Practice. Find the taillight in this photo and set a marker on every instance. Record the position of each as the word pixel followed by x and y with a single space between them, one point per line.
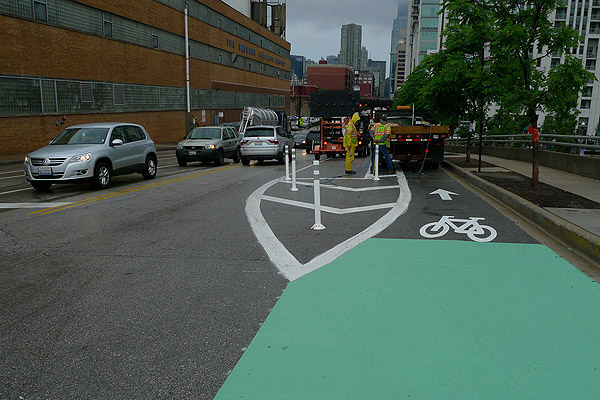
pixel 244 141
pixel 360 142
pixel 274 141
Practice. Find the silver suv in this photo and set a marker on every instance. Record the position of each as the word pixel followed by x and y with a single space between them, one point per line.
pixel 92 152
pixel 209 143
pixel 264 143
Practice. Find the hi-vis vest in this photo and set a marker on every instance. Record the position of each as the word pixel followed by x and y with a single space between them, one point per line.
pixel 380 131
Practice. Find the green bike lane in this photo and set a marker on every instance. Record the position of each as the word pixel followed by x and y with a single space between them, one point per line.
pixel 429 319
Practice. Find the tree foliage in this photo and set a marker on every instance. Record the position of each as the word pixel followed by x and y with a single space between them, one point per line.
pixel 520 35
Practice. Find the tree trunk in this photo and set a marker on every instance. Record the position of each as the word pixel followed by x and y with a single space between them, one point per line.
pixel 535 173
pixel 468 159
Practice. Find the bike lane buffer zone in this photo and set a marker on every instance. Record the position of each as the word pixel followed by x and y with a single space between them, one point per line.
pixel 429 319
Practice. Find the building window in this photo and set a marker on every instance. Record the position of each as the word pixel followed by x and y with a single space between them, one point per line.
pixel 590 65
pixel 86 92
pixel 119 93
pixel 250 67
pixel 155 41
pixel 236 31
pixel 40 11
pixel 250 37
pixel 220 25
pixel 220 58
pixel 587 92
pixel 108 25
pixel 586 104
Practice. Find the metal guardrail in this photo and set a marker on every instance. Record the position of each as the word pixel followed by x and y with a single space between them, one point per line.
pixel 547 142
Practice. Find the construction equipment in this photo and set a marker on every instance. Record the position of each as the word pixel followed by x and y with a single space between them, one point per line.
pixel 254 116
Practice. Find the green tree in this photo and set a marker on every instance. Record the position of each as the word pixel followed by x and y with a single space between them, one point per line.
pixel 521 27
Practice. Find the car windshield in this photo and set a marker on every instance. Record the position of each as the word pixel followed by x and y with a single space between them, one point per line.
pixel 259 132
pixel 205 133
pixel 81 136
pixel 300 136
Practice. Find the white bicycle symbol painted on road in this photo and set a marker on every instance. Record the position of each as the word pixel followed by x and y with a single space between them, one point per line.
pixel 473 229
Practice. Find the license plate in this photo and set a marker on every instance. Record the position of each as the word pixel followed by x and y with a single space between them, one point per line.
pixel 192 152
pixel 45 171
pixel 333 147
pixel 258 143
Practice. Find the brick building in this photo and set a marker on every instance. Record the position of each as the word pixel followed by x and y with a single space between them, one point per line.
pixel 101 60
pixel 330 77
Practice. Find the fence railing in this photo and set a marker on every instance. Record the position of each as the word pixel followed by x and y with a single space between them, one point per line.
pixel 547 142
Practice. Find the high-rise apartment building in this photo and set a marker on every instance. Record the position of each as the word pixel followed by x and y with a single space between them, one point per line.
pixel 379 72
pixel 400 73
pixel 424 30
pixel 351 44
pixel 399 32
pixel 298 64
pixel 585 18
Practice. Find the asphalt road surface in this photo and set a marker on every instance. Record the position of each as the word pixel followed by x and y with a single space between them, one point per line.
pixel 154 289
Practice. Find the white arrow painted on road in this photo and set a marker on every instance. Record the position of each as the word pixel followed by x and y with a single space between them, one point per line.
pixel 444 194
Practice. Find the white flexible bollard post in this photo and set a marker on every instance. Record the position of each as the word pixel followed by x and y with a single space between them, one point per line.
pixel 294 188
pixel 376 166
pixel 287 162
pixel 317 226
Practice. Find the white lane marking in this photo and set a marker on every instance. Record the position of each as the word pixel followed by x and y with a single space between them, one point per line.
pixel 15 191
pixel 32 205
pixel 348 189
pixel 287 264
pixel 13 177
pixel 331 210
pixel 444 194
pixel 471 227
pixel 12 172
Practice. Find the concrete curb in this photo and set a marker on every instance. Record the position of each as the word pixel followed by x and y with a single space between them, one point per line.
pixel 581 240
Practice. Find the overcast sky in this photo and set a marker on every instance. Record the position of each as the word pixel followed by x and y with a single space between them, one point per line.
pixel 314 26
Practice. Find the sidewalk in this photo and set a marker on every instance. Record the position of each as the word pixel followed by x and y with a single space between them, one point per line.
pixel 576 227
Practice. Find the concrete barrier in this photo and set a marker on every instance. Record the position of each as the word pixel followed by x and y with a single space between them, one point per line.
pixel 575 164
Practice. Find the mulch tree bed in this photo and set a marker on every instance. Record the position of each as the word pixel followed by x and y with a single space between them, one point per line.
pixel 547 196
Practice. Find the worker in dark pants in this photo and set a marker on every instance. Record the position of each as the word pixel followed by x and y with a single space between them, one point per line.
pixel 381 136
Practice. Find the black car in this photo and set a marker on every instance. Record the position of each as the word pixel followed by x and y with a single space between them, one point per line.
pixel 313 138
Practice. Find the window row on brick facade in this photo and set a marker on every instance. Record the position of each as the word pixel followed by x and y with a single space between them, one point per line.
pixel 79 17
pixel 23 96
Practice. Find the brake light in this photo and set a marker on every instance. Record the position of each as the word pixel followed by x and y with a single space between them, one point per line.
pixel 244 141
pixel 426 151
pixel 274 141
pixel 408 136
pixel 418 136
pixel 360 142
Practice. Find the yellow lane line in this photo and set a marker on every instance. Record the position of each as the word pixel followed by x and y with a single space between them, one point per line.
pixel 128 191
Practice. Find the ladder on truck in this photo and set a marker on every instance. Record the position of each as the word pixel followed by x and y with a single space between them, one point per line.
pixel 247 117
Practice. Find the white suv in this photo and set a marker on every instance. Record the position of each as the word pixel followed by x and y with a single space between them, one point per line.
pixel 264 143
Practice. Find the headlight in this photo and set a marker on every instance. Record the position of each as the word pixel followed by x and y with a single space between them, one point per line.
pixel 179 146
pixel 209 146
pixel 82 157
pixel 26 160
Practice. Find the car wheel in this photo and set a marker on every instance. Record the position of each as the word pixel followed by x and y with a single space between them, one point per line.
pixel 220 158
pixel 102 175
pixel 245 161
pixel 236 156
pixel 150 168
pixel 181 162
pixel 307 151
pixel 41 186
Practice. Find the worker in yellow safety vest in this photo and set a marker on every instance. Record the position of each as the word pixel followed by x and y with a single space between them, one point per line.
pixel 350 142
pixel 381 135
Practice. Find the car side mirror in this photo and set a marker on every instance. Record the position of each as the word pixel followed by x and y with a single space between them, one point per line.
pixel 116 142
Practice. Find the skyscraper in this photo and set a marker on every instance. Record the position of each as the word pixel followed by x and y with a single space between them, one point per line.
pixel 424 29
pixel 351 45
pixel 399 32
